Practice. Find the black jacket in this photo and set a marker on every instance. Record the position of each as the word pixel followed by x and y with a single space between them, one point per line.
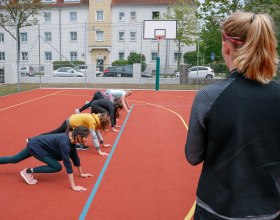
pixel 235 131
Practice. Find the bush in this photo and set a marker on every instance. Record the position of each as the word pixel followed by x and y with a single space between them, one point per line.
pixel 120 63
pixel 219 68
pixel 58 64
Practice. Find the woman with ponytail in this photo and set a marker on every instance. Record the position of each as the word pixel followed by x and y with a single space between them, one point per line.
pixel 234 127
pixel 50 149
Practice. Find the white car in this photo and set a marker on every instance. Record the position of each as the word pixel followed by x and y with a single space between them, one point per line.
pixel 84 70
pixel 67 72
pixel 27 71
pixel 201 72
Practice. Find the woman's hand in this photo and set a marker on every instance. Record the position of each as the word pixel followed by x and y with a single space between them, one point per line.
pixel 103 154
pixel 106 145
pixel 79 188
pixel 86 175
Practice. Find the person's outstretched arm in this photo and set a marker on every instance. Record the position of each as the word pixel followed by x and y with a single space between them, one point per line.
pixel 72 184
pixel 95 140
pixel 100 138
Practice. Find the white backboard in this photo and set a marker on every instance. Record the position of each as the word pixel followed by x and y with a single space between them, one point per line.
pixel 153 28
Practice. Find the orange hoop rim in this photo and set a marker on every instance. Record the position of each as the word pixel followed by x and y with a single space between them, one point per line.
pixel 160 37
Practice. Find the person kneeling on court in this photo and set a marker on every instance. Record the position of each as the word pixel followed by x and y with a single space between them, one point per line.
pixel 50 149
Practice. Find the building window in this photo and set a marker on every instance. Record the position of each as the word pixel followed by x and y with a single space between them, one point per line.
pixel 48 36
pixel 1 37
pixel 47 16
pixel 2 55
pixel 133 35
pixel 73 16
pixel 48 56
pixel 177 56
pixel 24 56
pixel 99 16
pixel 121 55
pixel 121 16
pixel 121 36
pixel 99 35
pixel 23 37
pixel 154 56
pixel 73 36
pixel 133 16
pixel 73 56
pixel 155 15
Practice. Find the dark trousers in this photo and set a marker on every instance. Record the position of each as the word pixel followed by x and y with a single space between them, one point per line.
pixel 97 109
pixel 96 96
pixel 61 129
pixel 51 166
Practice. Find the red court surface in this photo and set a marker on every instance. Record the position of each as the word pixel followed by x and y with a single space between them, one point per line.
pixel 145 177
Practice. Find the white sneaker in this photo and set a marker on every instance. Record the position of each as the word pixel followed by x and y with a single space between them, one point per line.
pixel 28 177
pixel 77 111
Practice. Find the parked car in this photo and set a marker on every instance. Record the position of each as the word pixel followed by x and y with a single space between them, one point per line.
pixel 118 71
pixel 146 75
pixel 84 70
pixel 201 72
pixel 27 71
pixel 67 71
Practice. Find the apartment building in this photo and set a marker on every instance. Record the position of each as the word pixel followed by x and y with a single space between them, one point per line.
pixel 97 32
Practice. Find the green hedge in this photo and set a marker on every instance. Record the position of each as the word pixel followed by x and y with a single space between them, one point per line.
pixel 58 64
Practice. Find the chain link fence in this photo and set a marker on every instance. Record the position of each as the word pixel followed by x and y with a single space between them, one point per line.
pixel 45 44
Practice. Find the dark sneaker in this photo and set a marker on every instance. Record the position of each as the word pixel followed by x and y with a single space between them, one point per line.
pixel 82 147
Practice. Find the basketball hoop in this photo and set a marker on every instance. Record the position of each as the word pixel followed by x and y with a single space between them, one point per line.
pixel 160 37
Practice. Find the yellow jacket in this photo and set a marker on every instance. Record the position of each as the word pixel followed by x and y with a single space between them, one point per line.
pixel 91 121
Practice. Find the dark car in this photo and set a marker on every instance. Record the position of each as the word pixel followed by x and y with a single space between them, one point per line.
pixel 118 71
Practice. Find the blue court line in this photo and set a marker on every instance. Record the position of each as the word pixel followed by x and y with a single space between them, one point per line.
pixel 94 190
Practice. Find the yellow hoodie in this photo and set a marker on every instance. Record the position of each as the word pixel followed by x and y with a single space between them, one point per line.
pixel 91 121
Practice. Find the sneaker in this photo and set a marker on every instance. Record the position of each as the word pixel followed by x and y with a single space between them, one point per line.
pixel 27 140
pixel 28 177
pixel 77 111
pixel 82 147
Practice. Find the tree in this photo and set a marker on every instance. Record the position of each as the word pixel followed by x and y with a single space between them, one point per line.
pixel 271 7
pixel 185 13
pixel 213 13
pixel 19 13
pixel 15 14
pixel 137 58
pixel 219 8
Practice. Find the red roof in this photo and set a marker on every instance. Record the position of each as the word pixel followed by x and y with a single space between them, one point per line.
pixel 145 2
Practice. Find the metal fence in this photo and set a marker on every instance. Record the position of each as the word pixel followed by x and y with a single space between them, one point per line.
pixel 43 44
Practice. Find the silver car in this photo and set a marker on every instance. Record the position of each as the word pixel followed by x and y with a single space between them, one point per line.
pixel 67 72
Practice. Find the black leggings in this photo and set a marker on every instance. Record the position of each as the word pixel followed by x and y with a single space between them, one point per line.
pixel 61 129
pixel 96 96
pixel 52 165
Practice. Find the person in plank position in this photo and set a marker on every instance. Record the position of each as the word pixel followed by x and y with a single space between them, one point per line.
pixel 50 149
